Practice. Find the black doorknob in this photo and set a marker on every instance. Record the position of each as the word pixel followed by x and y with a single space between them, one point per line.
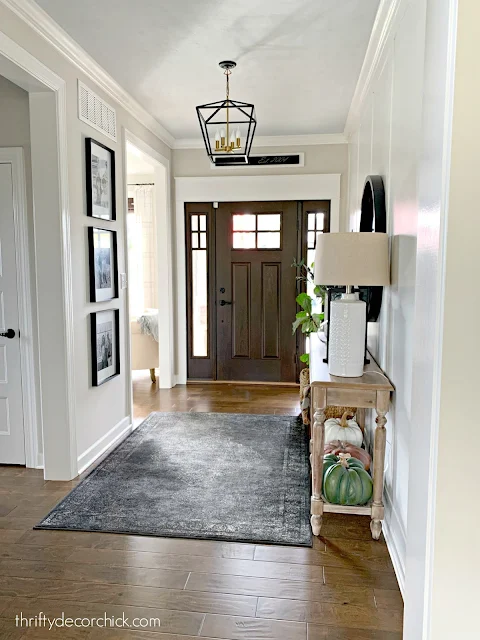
pixel 10 333
pixel 224 302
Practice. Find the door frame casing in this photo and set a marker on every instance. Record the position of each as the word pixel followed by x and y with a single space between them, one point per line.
pixel 239 189
pixel 48 136
pixel 14 157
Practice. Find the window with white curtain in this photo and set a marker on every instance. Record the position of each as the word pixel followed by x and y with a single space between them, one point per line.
pixel 142 252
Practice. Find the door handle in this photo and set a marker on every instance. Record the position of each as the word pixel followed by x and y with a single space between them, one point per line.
pixel 224 302
pixel 10 333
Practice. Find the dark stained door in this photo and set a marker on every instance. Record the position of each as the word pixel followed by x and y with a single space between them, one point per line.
pixel 255 291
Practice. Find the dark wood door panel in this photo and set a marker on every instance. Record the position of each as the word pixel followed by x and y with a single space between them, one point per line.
pixel 241 285
pixel 271 284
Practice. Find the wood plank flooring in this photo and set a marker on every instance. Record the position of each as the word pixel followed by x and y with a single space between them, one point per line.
pixel 343 588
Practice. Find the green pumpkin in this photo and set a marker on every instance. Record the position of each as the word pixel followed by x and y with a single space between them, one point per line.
pixel 345 480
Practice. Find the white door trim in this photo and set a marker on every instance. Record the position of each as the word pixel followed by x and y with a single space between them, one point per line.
pixel 59 448
pixel 14 157
pixel 164 262
pixel 240 189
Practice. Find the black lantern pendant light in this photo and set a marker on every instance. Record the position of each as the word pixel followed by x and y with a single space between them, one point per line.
pixel 228 126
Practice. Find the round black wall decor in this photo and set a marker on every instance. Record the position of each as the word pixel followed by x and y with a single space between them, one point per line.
pixel 373 217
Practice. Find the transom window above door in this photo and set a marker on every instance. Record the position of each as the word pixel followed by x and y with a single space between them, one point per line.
pixel 257 230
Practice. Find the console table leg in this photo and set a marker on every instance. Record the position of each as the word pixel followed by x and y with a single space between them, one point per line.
pixel 319 401
pixel 383 400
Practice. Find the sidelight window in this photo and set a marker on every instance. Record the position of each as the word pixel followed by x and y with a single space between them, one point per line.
pixel 257 230
pixel 198 237
pixel 315 224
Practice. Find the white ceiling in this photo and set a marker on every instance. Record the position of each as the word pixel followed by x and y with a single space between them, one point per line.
pixel 298 60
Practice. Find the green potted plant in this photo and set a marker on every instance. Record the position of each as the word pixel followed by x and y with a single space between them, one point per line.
pixel 306 319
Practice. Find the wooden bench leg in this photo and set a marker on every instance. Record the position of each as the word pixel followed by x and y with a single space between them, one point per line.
pixel 319 401
pixel 383 401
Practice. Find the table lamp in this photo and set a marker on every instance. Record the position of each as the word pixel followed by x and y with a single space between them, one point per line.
pixel 349 259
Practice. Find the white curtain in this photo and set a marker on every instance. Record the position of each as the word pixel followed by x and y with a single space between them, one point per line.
pixel 142 250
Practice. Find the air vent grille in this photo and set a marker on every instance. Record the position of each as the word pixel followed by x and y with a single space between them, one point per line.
pixel 96 112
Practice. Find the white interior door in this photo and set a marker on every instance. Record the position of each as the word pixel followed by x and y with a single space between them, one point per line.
pixel 12 441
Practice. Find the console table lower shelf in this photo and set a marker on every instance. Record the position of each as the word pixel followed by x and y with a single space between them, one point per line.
pixel 371 391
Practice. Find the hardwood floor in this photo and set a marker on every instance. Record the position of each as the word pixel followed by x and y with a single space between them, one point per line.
pixel 343 588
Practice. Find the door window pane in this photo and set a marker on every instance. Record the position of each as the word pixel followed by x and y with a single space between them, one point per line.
pixel 244 222
pixel 194 223
pixel 268 240
pixel 243 240
pixel 199 304
pixel 320 221
pixel 268 222
pixel 257 230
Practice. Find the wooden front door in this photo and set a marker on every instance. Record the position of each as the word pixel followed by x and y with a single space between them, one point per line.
pixel 255 291
pixel 241 287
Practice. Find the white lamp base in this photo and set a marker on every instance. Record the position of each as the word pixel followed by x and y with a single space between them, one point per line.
pixel 346 336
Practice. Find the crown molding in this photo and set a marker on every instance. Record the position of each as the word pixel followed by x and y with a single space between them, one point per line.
pixel 273 141
pixel 385 20
pixel 36 18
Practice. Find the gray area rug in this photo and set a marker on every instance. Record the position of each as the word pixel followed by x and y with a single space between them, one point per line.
pixel 218 476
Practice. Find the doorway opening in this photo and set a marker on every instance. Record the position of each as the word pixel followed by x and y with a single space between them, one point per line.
pixel 241 287
pixel 147 211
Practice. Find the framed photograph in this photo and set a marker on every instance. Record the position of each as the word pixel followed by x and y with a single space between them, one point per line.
pixel 100 173
pixel 102 258
pixel 105 345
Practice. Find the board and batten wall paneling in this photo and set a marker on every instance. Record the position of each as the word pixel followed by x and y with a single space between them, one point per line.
pixel 386 142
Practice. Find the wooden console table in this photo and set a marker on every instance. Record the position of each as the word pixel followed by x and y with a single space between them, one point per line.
pixel 371 391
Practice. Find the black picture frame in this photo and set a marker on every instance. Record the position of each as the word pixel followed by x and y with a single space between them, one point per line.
pixel 96 320
pixel 94 183
pixel 96 292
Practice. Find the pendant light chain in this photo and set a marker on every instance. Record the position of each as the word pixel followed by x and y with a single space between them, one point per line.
pixel 228 145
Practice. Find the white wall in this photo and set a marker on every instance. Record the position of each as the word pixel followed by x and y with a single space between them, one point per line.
pixel 320 158
pixel 455 561
pixel 386 142
pixel 100 409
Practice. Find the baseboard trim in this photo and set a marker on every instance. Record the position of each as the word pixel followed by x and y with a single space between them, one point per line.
pixel 112 437
pixel 394 545
pixel 40 463
pixel 259 383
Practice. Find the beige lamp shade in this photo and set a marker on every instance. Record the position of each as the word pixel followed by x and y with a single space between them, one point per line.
pixel 352 259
